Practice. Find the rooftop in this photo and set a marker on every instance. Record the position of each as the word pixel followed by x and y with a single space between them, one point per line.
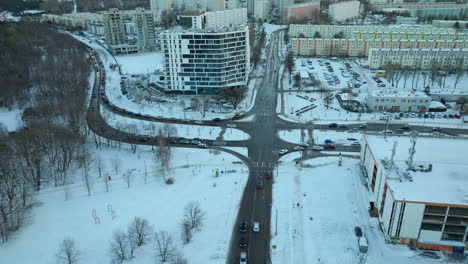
pixel 446 183
pixel 222 29
pixel 394 93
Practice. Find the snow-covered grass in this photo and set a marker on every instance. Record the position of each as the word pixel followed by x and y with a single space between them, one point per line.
pixel 194 173
pixel 11 119
pixel 345 138
pixel 145 63
pixel 144 127
pixel 332 201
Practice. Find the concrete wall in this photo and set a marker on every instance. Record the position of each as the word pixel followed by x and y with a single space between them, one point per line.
pixel 412 220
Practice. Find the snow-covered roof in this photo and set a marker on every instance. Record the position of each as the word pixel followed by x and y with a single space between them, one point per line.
pixel 396 93
pixel 437 104
pixel 446 183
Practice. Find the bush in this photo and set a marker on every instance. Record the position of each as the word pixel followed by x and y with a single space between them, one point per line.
pixel 170 181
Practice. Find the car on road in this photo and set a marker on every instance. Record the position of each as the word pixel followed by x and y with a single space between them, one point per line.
pixel 436 129
pixel 144 139
pixel 317 148
pixel 256 227
pixel 329 146
pixel 405 128
pixel 364 126
pixel 184 141
pixel 243 242
pixel 243 227
pixel 195 142
pixel 358 231
pixel 198 122
pixel 299 148
pixel 268 176
pixel 202 145
pixel 333 125
pixel 386 131
pixel 243 258
pixel 231 125
pixel 305 145
pixel 216 119
pixel 344 126
pixel 94 95
pixel 283 151
pixel 259 185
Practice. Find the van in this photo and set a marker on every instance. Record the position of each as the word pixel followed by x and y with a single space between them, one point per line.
pixel 362 243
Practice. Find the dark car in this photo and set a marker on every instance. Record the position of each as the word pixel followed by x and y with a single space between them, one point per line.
pixel 343 126
pixel 358 231
pixel 216 119
pixel 333 125
pixel 405 128
pixel 243 227
pixel 143 139
pixel 259 185
pixel 243 242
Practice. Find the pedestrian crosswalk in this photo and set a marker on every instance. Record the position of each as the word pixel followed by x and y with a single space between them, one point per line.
pixel 263 164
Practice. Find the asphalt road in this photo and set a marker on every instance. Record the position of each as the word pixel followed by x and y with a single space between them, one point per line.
pixel 263 147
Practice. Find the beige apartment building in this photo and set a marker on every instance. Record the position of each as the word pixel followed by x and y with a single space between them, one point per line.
pixel 74 20
pixel 361 47
pixel 419 58
pixel 350 31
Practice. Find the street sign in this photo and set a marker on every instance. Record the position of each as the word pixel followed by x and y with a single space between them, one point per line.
pixel 273 247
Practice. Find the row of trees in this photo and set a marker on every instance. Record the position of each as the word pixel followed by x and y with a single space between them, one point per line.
pixel 62 7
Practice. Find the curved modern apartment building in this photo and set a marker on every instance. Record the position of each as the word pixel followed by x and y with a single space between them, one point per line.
pixel 202 61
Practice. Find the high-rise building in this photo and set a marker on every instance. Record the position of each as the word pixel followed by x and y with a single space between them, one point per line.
pixel 214 19
pixel 232 4
pixel 262 9
pixel 161 4
pixel 202 61
pixel 129 31
pixel 250 6
pixel 211 5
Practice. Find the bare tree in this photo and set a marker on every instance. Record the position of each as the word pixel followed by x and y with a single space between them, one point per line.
pixel 100 166
pixel 459 72
pixel 139 231
pixel 289 62
pixel 165 249
pixel 194 215
pixel 85 160
pixel 68 252
pixel 178 258
pixel 186 231
pixel 297 80
pixel 119 246
pixel 116 165
pixel 233 95
pixel 163 154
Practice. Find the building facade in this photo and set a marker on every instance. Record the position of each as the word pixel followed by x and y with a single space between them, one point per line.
pixel 419 58
pixel 129 32
pixel 398 101
pixel 417 6
pixel 262 9
pixel 214 19
pixel 352 31
pixel 204 61
pixel 302 11
pixel 232 4
pixel 361 47
pixel 462 24
pixel 344 10
pixel 417 196
pixel 210 5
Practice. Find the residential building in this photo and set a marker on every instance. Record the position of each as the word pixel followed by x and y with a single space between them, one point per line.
pixel 262 9
pixel 419 58
pixel 419 196
pixel 129 32
pixel 462 24
pixel 398 101
pixel 211 5
pixel 350 31
pixel 418 5
pixel 161 4
pixel 385 1
pixel 440 13
pixel 406 20
pixel 284 4
pixel 74 20
pixel 201 19
pixel 344 10
pixel 361 47
pixel 202 61
pixel 301 11
pixel 251 6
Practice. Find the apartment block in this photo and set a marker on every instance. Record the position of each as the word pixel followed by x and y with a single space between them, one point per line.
pixel 419 58
pixel 344 10
pixel 202 61
pixel 361 47
pixel 262 9
pixel 74 20
pixel 301 11
pixel 450 23
pixel 201 19
pixel 210 5
pixel 129 32
pixel 350 31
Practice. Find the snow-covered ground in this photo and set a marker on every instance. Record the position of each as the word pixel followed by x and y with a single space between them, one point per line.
pixel 143 127
pixel 145 63
pixel 194 171
pixel 156 104
pixel 321 229
pixel 11 119
pixel 295 136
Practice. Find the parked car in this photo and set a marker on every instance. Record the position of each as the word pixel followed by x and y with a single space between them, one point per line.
pixel 256 227
pixel 358 231
pixel 333 125
pixel 344 126
pixel 405 128
pixel 330 146
pixel 317 148
pixel 364 126
pixel 184 141
pixel 216 119
pixel 283 151
pixel 198 122
pixel 436 129
pixel 195 142
pixel 202 145
pixel 231 125
pixel 298 148
pixel 268 176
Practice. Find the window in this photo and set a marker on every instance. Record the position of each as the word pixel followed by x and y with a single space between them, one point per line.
pixel 432 227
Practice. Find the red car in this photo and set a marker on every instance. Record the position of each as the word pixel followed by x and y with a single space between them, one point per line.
pixel 268 176
pixel 329 146
pixel 457 116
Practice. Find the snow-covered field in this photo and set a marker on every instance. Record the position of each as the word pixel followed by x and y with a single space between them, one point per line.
pixel 11 119
pixel 145 63
pixel 144 127
pixel 332 201
pixel 194 173
pixel 319 136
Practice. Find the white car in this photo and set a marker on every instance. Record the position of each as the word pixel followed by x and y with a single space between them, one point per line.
pixel 283 151
pixel 299 148
pixel 304 144
pixel 243 258
pixel 256 227
pixel 317 148
pixel 231 125
pixel 198 122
